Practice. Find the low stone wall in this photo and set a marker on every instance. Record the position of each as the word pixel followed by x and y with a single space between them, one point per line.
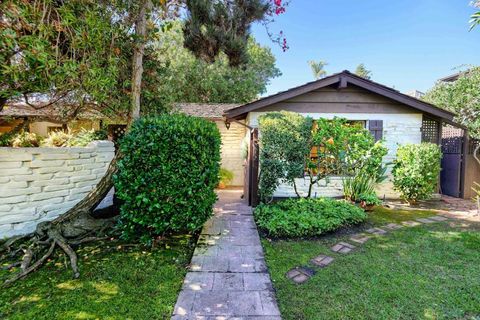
pixel 333 187
pixel 39 184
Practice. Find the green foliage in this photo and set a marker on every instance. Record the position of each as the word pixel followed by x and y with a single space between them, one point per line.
pixel 185 78
pixel 84 137
pixel 68 47
pixel 370 198
pixel 354 187
pixel 338 148
pixel 294 218
pixel 318 69
pixel 167 175
pixel 284 144
pixel 475 18
pixel 416 170
pixel 222 26
pixel 461 97
pixel 225 176
pixel 25 140
pixel 363 72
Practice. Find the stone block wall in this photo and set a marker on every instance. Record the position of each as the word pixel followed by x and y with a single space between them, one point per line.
pixel 39 184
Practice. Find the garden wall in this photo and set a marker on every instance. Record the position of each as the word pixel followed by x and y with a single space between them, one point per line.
pixel 333 187
pixel 39 184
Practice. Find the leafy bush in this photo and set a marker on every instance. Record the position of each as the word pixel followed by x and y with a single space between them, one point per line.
pixel 25 140
pixel 226 178
pixel 303 217
pixel 57 138
pixel 293 146
pixel 416 170
pixel 167 175
pixel 84 137
pixel 284 145
pixel 369 199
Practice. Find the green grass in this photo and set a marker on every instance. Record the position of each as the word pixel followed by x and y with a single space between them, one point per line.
pixel 425 272
pixel 115 283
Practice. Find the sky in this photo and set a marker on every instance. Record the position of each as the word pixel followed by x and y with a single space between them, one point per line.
pixel 407 44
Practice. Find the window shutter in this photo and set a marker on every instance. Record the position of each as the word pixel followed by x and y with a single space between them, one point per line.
pixel 376 129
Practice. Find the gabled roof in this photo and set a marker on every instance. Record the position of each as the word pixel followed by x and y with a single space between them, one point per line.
pixel 342 79
pixel 204 110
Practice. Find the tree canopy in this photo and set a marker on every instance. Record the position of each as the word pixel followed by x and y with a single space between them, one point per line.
pixel 475 18
pixel 361 71
pixel 186 78
pixel 462 97
pixel 318 68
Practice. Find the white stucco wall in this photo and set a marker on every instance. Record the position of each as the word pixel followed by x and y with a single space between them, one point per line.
pixel 38 184
pixel 398 129
pixel 231 150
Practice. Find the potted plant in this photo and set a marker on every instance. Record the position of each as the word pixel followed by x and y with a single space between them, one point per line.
pixel 226 178
pixel 368 201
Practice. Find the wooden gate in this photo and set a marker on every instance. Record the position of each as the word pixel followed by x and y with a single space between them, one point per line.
pixel 252 169
pixel 451 174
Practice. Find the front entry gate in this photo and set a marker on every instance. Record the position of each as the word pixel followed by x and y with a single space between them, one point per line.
pixel 452 162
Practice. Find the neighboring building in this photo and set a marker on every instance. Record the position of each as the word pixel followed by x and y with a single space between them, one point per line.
pixel 387 113
pixel 415 93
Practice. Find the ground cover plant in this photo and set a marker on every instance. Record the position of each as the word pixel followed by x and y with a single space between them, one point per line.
pixel 59 138
pixel 119 281
pixel 422 272
pixel 294 218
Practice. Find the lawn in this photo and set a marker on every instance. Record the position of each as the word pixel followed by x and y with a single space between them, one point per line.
pixel 117 282
pixel 424 272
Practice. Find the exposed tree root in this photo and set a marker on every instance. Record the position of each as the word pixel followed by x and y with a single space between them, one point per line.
pixel 74 227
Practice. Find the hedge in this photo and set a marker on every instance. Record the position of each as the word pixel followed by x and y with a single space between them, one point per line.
pixel 167 175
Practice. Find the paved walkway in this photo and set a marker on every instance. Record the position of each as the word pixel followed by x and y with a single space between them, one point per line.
pixel 228 277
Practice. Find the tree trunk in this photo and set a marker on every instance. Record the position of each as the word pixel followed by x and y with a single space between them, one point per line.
pixel 137 63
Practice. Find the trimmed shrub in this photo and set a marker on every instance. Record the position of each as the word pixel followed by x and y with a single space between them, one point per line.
pixel 295 218
pixel 167 175
pixel 416 170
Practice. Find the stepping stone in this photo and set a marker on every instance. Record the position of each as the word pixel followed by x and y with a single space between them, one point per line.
pixel 342 247
pixel 322 261
pixel 438 218
pixel 411 223
pixel 299 274
pixel 360 238
pixel 425 220
pixel 377 231
pixel 393 226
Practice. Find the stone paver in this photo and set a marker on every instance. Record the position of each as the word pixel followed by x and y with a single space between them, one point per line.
pixel 377 231
pixel 360 238
pixel 343 247
pixel 300 274
pixel 438 218
pixel 425 220
pixel 393 226
pixel 411 223
pixel 322 261
pixel 228 277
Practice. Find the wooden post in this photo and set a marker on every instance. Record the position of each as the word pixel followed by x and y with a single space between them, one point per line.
pixel 253 198
pixel 463 168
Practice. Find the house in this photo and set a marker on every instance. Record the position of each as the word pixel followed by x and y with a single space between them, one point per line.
pixel 42 121
pixel 390 115
pixel 234 144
